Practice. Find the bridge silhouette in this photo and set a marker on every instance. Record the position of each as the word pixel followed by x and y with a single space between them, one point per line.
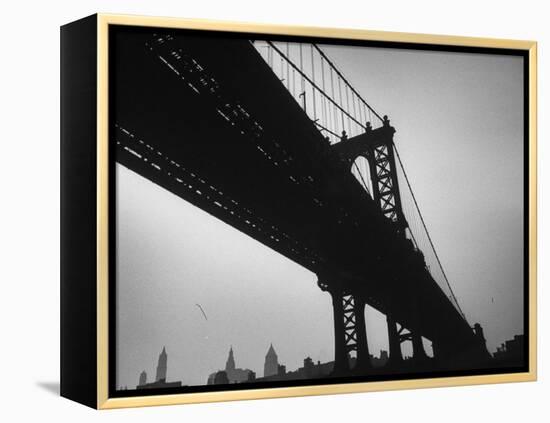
pixel 271 138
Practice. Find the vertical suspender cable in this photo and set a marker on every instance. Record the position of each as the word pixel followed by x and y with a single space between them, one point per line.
pixel 323 98
pixel 340 97
pixel 293 81
pixel 282 67
pixel 302 86
pixel 354 110
pixel 334 98
pixel 313 88
pixel 287 66
pixel 347 108
pixel 345 80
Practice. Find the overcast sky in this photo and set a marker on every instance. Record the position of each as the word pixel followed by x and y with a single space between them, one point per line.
pixel 460 132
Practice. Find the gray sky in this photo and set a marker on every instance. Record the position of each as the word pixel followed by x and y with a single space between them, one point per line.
pixel 459 130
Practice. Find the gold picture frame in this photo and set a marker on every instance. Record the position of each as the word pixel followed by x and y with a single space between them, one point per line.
pixel 101 216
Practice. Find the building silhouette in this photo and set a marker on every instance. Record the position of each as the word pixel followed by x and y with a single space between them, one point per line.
pixel 231 374
pixel 160 380
pixel 162 365
pixel 143 378
pixel 313 370
pixel 271 365
pixel 230 363
pixel 511 352
pixel 220 378
pixel 309 370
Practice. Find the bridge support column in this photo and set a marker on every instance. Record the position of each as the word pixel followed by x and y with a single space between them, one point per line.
pixel 341 358
pixel 363 363
pixel 396 358
pixel 419 354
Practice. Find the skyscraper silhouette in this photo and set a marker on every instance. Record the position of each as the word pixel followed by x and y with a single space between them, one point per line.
pixel 161 366
pixel 230 364
pixel 271 365
pixel 160 380
pixel 231 374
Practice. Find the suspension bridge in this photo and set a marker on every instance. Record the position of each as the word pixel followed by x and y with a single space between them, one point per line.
pixel 271 138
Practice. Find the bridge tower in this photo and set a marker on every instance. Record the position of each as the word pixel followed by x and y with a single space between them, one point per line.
pixel 376 145
pixel 385 185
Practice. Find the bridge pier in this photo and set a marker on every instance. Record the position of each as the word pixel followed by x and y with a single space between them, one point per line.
pixel 350 334
pixel 394 341
pixel 341 359
pixel 363 363
pixel 419 354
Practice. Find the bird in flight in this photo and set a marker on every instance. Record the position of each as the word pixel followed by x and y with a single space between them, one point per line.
pixel 202 311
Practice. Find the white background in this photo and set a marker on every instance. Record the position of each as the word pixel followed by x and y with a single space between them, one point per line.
pixel 29 175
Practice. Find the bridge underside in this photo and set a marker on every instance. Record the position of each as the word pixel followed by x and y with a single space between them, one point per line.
pixel 205 118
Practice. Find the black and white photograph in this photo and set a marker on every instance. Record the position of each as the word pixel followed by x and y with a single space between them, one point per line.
pixel 291 211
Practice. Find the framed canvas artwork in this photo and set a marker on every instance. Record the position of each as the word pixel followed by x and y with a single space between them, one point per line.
pixel 254 211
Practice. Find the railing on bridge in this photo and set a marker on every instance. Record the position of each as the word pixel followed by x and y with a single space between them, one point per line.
pixel 340 112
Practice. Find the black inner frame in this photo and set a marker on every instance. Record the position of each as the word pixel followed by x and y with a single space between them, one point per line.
pixel 112 390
